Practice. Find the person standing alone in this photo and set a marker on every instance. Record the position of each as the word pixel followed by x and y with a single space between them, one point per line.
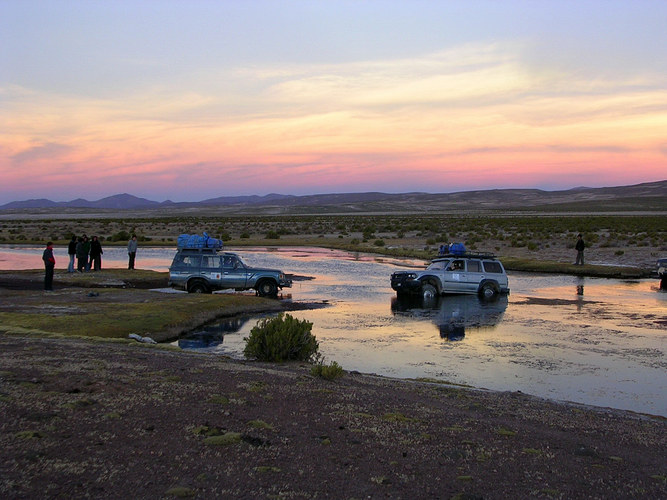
pixel 132 251
pixel 579 247
pixel 49 264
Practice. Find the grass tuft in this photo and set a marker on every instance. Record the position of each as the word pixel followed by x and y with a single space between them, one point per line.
pixel 225 439
pixel 327 372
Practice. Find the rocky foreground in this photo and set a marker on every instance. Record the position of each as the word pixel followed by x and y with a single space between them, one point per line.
pixel 80 418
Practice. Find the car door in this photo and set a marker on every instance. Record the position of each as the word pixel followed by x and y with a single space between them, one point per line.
pixel 211 270
pixel 454 277
pixel 474 275
pixel 234 272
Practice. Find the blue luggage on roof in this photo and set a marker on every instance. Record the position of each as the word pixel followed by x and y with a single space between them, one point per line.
pixel 457 249
pixel 196 241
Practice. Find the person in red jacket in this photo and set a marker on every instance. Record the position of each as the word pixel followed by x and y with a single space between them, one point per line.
pixel 49 264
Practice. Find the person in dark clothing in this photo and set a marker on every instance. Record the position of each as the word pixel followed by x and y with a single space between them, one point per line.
pixel 579 247
pixel 132 251
pixel 96 254
pixel 49 265
pixel 81 255
pixel 71 251
pixel 86 250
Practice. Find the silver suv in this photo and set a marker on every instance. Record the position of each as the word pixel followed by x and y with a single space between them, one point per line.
pixel 468 273
pixel 205 269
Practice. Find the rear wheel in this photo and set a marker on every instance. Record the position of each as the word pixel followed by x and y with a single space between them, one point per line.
pixel 198 287
pixel 488 291
pixel 267 288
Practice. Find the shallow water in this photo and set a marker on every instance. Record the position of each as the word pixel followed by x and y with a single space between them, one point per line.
pixel 589 340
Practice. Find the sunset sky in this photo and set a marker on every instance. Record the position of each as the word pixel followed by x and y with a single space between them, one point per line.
pixel 188 100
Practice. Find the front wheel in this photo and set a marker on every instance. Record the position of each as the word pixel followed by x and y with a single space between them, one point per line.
pixel 429 292
pixel 267 288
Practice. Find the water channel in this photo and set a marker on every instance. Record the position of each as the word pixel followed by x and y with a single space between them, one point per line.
pixel 594 341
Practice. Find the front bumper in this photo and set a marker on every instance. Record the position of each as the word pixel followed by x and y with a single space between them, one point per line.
pixel 285 283
pixel 403 285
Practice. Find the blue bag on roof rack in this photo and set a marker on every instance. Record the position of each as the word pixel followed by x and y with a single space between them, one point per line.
pixel 194 241
pixel 457 249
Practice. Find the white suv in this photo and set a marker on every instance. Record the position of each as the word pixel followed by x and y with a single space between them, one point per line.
pixel 468 273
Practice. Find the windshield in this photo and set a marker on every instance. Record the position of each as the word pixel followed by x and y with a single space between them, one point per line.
pixel 439 264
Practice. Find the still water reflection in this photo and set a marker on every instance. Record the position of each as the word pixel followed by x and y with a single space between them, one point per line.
pixel 453 314
pixel 593 341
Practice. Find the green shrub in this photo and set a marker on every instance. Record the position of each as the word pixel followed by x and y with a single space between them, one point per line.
pixel 282 338
pixel 121 236
pixel 328 372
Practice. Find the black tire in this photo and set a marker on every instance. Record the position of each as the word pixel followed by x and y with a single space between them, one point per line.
pixel 267 288
pixel 198 287
pixel 488 291
pixel 429 292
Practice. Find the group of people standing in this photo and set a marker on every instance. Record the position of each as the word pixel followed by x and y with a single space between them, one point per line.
pixel 86 252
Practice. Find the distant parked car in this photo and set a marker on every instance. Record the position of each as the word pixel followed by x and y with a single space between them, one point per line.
pixel 461 273
pixel 203 270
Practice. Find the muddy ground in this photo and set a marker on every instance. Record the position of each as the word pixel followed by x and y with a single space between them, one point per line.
pixel 108 420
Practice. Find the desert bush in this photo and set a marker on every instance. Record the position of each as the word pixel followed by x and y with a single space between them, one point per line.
pixel 121 236
pixel 327 372
pixel 282 338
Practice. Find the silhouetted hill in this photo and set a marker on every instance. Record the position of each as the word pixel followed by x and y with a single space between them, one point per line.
pixel 647 196
pixel 118 202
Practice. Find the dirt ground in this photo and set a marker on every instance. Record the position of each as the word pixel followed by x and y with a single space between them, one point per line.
pixel 109 420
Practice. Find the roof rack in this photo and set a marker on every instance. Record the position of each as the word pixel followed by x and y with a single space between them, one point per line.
pixel 470 255
pixel 200 250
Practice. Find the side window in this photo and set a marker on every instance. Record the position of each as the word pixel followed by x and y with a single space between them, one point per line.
pixel 474 266
pixel 189 261
pixel 492 267
pixel 211 261
pixel 456 265
pixel 228 262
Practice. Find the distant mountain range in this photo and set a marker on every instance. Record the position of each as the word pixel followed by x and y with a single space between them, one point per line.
pixel 646 196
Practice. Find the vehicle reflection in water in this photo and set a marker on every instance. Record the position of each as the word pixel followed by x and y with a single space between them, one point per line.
pixel 453 314
pixel 213 334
